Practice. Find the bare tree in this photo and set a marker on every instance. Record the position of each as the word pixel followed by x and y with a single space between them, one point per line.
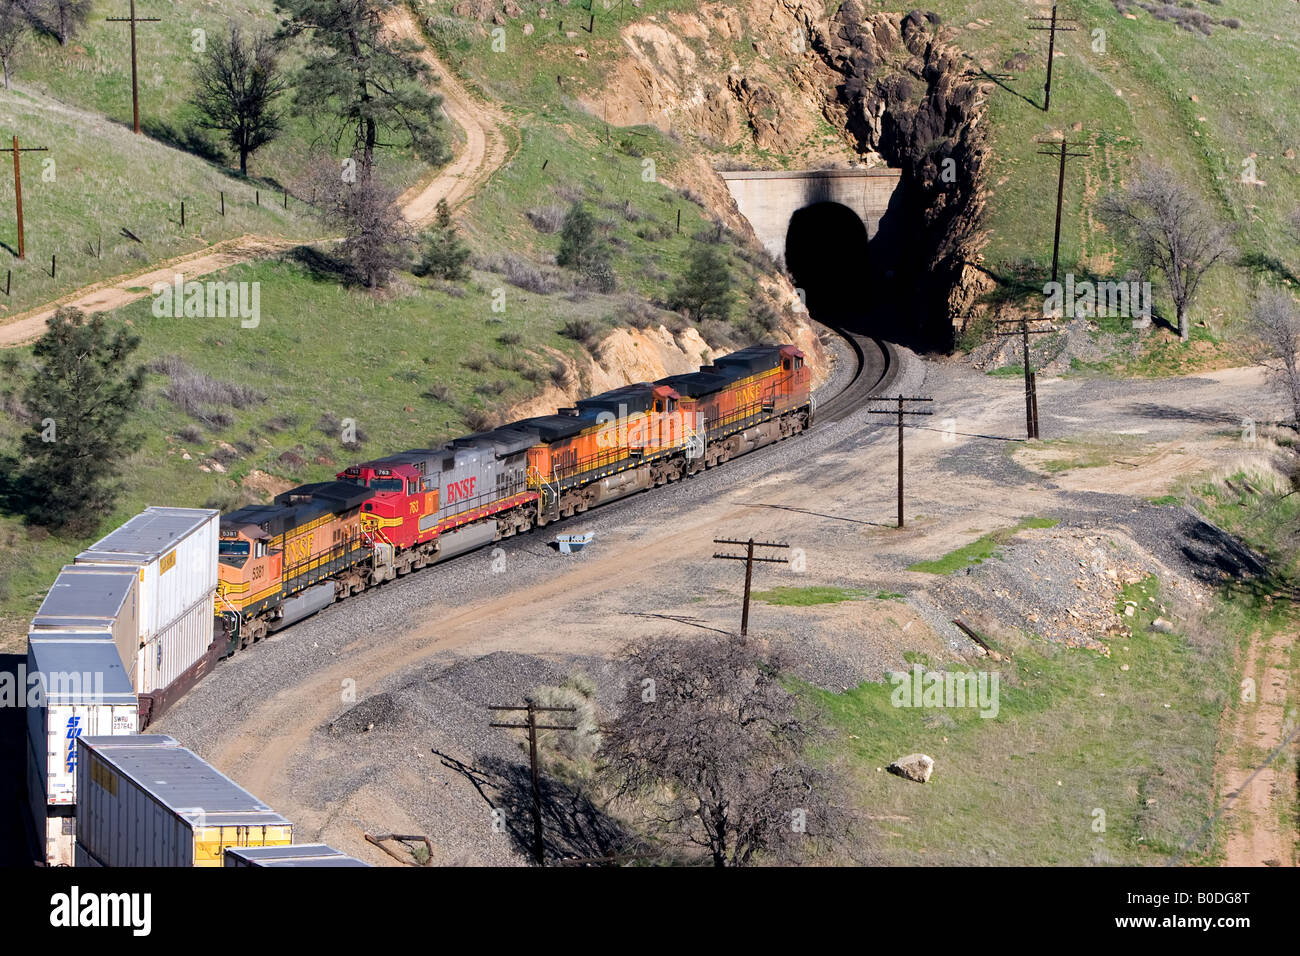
pixel 709 747
pixel 236 85
pixel 1276 324
pixel 14 25
pixel 1172 231
pixel 63 18
pixel 377 236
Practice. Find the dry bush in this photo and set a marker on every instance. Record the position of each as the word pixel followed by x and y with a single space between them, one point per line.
pixel 199 395
pixel 586 331
pixel 547 219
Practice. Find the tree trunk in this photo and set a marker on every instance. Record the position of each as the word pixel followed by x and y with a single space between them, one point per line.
pixel 1184 330
pixel 6 69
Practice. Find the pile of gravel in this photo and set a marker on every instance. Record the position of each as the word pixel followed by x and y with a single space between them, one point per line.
pixel 1061 584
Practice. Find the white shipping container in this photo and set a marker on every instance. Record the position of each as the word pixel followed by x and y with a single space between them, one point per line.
pixel 297 854
pixel 85 691
pixel 147 801
pixel 93 599
pixel 175 649
pixel 55 827
pixel 174 552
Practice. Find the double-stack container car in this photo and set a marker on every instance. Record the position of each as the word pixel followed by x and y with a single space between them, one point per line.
pixel 80 688
pixel 94 600
pixel 173 553
pixel 147 801
pixel 299 854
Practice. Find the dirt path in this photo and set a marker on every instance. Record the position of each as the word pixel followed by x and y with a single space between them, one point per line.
pixel 483 152
pixel 485 143
pixel 1257 837
pixel 117 292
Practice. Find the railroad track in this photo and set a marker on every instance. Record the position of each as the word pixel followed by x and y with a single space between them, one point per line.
pixel 878 365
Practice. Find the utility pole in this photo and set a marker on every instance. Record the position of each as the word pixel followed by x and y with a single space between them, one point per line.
pixel 135 85
pixel 749 558
pixel 18 189
pixel 1051 48
pixel 1031 378
pixel 532 726
pixel 1062 150
pixel 900 412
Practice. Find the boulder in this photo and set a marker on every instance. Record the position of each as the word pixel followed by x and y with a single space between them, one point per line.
pixel 916 767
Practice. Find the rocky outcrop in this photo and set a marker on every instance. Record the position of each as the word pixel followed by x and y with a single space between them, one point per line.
pixel 902 95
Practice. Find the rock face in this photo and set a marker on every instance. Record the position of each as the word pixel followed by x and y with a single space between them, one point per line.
pixel 889 82
pixel 901 94
pixel 916 767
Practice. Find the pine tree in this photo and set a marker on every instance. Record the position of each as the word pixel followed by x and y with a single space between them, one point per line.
pixel 705 290
pixel 584 252
pixel 80 397
pixel 364 79
pixel 443 255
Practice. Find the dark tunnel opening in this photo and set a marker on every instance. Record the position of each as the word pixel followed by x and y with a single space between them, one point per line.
pixel 849 280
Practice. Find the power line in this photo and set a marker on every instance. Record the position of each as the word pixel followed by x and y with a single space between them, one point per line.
pixel 900 412
pixel 1063 153
pixel 532 726
pixel 1051 48
pixel 749 558
pixel 135 86
pixel 18 187
pixel 1031 377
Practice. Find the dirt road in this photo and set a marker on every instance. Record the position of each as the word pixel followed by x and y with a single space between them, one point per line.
pixel 1256 835
pixel 484 149
pixel 483 152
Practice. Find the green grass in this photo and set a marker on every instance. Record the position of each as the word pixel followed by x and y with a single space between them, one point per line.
pixel 94 73
pixel 1007 371
pixel 979 550
pixel 805 597
pixel 1074 733
pixel 104 179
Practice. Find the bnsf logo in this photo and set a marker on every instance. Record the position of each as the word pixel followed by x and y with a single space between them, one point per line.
pixel 460 490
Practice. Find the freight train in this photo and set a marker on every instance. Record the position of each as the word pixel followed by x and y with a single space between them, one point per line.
pixel 382 519
pixel 174 590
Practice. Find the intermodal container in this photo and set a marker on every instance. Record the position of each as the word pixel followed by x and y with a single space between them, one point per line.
pixel 174 553
pixel 174 649
pixel 90 599
pixel 80 688
pixel 147 801
pixel 298 854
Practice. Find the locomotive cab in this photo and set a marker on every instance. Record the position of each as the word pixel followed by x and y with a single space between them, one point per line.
pixel 247 569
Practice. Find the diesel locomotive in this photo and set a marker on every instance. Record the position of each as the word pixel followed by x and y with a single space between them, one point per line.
pixel 382 519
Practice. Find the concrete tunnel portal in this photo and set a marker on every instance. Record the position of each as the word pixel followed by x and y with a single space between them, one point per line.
pixel 834 229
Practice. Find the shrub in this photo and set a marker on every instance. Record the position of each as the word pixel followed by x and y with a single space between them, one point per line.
pixel 546 219
pixel 585 331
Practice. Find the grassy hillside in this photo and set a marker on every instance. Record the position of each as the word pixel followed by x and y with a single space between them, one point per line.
pixel 102 179
pixel 94 72
pixel 1148 88
pixel 1202 104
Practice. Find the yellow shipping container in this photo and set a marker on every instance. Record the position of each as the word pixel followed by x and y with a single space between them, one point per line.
pixel 210 842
